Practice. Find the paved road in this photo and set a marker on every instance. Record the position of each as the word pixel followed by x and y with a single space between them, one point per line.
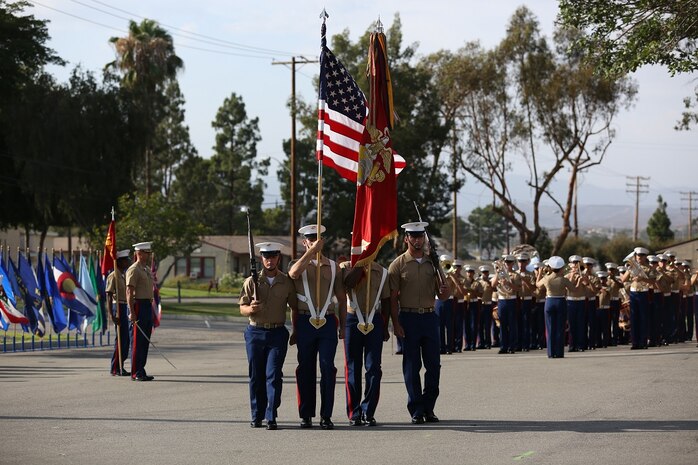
pixel 604 407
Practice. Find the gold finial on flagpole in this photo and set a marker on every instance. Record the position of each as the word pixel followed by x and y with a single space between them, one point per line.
pixel 379 25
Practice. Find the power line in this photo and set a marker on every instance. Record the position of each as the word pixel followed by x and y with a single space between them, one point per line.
pixel 203 37
pixel 637 189
pixel 179 44
pixel 689 197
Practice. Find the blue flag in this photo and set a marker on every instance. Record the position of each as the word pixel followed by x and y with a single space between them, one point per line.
pixel 5 283
pixel 54 297
pixel 26 279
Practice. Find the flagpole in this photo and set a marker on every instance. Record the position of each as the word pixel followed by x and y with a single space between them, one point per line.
pixel 318 265
pixel 117 279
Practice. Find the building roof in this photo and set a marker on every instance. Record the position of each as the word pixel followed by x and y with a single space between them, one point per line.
pixel 238 244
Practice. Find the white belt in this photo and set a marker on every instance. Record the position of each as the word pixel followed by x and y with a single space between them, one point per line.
pixel 632 289
pixel 507 298
pixel 673 291
pixel 472 300
pixel 591 298
pixel 487 303
pixel 604 307
pixel 667 294
pixel 460 301
pixel 554 296
pixel 530 297
pixel 576 299
pixel 615 299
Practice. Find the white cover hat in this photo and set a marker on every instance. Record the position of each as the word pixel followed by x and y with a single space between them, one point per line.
pixel 123 253
pixel 556 262
pixel 143 246
pixel 311 230
pixel 416 226
pixel 269 247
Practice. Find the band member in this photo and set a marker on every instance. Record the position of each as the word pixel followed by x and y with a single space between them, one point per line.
pixel 413 283
pixel 316 327
pixel 614 305
pixel 119 312
pixel 459 306
pixel 591 330
pixel 603 310
pixel 139 292
pixel 444 310
pixel 508 287
pixel 641 277
pixel 472 314
pixel 576 305
pixel 528 288
pixel 368 312
pixel 485 315
pixel 556 287
pixel 266 337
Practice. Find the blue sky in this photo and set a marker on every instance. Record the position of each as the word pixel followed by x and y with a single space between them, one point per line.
pixel 244 38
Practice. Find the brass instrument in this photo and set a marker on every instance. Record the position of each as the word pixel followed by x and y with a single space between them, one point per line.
pixel 502 272
pixel 634 267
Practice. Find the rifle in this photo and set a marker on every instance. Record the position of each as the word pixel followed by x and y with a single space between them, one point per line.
pixel 433 255
pixel 253 259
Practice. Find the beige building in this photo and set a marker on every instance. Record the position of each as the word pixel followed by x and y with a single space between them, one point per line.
pixel 686 250
pixel 219 255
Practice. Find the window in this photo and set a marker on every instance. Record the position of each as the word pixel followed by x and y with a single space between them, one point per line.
pixel 196 267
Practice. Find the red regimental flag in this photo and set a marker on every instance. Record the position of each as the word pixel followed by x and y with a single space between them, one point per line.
pixel 342 110
pixel 109 255
pixel 375 214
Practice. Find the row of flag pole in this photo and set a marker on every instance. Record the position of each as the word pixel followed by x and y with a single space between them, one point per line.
pixel 59 294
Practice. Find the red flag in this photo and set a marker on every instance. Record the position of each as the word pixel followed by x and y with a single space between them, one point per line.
pixel 109 256
pixel 341 117
pixel 375 213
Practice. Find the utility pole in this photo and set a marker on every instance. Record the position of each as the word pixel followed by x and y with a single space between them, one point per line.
pixel 637 188
pixel 690 195
pixel 302 61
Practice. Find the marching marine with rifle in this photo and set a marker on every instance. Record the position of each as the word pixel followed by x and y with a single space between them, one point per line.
pixel 414 279
pixel 264 299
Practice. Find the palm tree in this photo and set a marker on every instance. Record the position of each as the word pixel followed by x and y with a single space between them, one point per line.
pixel 147 60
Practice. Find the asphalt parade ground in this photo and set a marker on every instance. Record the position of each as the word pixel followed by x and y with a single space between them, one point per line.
pixel 610 406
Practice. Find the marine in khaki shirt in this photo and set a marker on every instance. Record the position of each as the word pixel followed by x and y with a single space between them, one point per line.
pixel 359 292
pixel 111 285
pixel 140 279
pixel 274 295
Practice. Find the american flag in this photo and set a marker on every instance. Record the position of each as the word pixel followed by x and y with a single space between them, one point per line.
pixel 342 110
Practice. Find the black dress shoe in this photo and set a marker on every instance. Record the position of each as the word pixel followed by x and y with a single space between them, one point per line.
pixel 306 422
pixel 418 420
pixel 431 418
pixel 398 352
pixel 124 373
pixel 326 423
pixel 370 421
pixel 256 424
pixel 143 378
pixel 467 349
pixel 503 351
pixel 511 351
pixel 271 424
pixel 356 422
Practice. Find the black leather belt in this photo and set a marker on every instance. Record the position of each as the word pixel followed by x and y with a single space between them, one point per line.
pixel 417 310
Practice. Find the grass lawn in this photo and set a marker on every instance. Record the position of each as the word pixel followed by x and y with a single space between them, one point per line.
pixel 200 308
pixel 172 292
